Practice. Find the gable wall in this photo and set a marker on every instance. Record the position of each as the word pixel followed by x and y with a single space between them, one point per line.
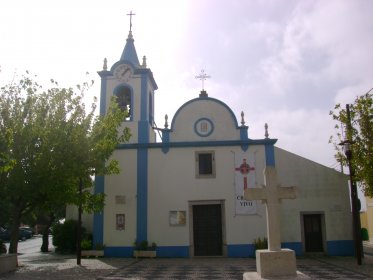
pixel 322 189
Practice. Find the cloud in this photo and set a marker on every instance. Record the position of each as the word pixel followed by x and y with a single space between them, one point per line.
pixel 282 62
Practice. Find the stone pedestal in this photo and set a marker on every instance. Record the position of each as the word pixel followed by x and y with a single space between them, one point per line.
pixel 255 276
pixel 275 265
pixel 8 262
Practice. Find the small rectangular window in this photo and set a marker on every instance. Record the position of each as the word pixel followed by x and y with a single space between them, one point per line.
pixel 205 164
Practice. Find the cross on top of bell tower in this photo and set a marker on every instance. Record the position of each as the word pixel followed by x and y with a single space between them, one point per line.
pixel 131 14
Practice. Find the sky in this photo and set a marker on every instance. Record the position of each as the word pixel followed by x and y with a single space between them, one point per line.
pixel 281 62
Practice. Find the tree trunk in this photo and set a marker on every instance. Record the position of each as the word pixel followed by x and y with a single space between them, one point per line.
pixel 45 245
pixel 16 218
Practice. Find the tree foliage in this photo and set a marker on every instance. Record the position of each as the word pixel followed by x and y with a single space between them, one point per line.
pixel 64 237
pixel 51 142
pixel 361 134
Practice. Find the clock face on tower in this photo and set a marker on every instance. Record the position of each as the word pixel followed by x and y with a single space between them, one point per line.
pixel 123 72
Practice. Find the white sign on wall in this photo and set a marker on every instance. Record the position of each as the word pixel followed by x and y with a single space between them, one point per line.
pixel 244 169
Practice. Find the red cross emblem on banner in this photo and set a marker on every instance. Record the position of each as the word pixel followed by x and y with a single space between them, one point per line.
pixel 244 169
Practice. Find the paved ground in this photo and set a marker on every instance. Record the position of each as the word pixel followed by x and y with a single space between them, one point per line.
pixel 51 266
pixel 56 267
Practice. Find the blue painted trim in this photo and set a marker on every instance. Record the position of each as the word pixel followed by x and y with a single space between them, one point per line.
pixel 98 218
pixel 151 109
pixel 295 246
pixel 208 132
pixel 144 99
pixel 143 132
pixel 162 252
pixel 240 250
pixel 208 99
pixel 103 75
pixel 335 248
pixel 340 248
pixel 118 88
pixel 165 140
pixel 129 52
pixel 243 132
pixel 142 195
pixel 248 250
pixel 270 154
pixel 198 144
pixel 149 75
pixel 122 252
pixel 173 251
pixel 243 137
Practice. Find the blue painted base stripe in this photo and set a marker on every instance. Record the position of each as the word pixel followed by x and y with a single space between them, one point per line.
pixel 248 250
pixel 240 250
pixel 295 246
pixel 340 248
pixel 119 252
pixel 162 252
pixel 334 248
pixel 173 252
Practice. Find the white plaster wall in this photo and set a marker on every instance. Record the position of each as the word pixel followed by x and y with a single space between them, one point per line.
pixel 172 184
pixel 369 201
pixel 225 127
pixel 87 219
pixel 122 184
pixel 321 189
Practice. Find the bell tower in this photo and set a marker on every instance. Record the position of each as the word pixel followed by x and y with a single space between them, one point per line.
pixel 133 86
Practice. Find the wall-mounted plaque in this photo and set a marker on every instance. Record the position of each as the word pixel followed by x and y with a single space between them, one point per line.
pixel 120 199
pixel 120 221
pixel 177 218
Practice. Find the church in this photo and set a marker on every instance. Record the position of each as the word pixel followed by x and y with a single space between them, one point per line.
pixel 184 191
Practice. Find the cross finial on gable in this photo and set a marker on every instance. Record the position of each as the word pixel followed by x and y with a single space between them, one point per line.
pixel 131 14
pixel 203 76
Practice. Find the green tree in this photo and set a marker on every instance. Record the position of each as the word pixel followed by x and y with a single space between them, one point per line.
pixel 361 134
pixel 52 145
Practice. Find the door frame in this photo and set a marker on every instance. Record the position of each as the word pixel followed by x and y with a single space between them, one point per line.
pixel 323 230
pixel 223 224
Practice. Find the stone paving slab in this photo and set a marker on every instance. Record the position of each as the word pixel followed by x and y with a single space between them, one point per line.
pixel 321 268
pixel 55 267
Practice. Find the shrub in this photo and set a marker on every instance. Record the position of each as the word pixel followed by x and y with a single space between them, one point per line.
pixel 261 243
pixel 86 244
pixel 2 247
pixel 64 236
pixel 144 246
pixel 364 234
pixel 99 246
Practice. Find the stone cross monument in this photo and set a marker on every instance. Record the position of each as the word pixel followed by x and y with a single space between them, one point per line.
pixel 275 261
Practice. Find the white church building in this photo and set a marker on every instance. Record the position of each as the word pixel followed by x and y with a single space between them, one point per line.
pixel 185 192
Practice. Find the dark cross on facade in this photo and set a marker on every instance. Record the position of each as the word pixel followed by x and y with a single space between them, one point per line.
pixel 244 169
pixel 203 77
pixel 131 14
